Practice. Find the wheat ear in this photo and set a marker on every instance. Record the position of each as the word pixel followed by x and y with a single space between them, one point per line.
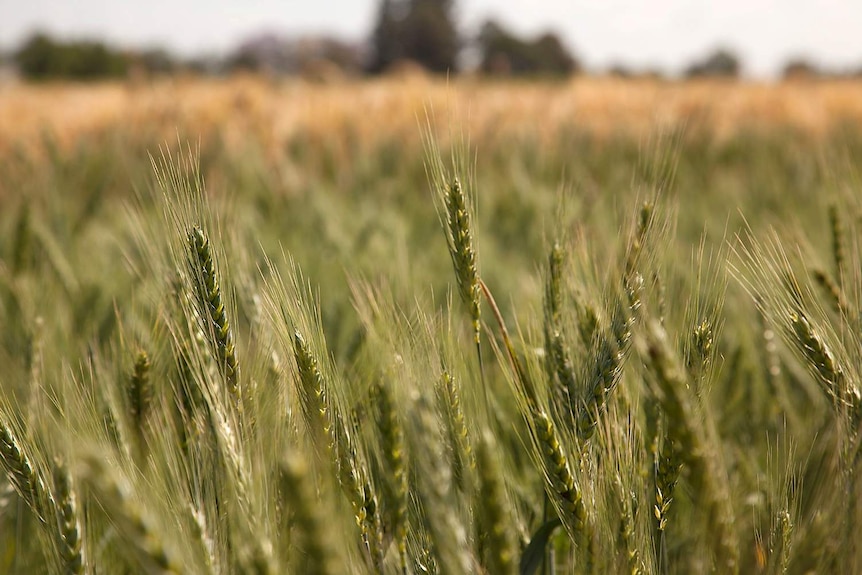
pixel 558 364
pixel 140 396
pixel 446 539
pixel 312 393
pixel 459 437
pixel 700 353
pixel 69 522
pixel 210 297
pixel 353 478
pixel 463 252
pixel 820 357
pixel 686 428
pixel 607 368
pixel 628 528
pixel 667 469
pixel 833 290
pixel 329 432
pixel 563 487
pixel 781 542
pixel 22 475
pixel 839 252
pixel 392 440
pixel 559 480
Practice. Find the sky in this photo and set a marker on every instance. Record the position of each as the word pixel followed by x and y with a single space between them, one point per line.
pixel 664 34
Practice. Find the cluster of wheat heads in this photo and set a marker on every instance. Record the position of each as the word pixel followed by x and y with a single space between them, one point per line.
pixel 613 425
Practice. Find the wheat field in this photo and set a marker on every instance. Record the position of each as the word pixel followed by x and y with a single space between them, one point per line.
pixel 413 326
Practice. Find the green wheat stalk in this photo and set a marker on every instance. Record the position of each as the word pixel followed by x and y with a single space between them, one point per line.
pixel 496 517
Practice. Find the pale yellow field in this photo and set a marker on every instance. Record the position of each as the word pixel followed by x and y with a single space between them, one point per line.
pixel 271 112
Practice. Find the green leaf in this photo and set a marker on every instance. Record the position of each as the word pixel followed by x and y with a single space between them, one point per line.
pixel 535 551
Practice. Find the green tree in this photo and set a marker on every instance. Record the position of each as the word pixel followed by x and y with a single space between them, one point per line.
pixel 420 30
pixel 430 35
pixel 386 40
pixel 41 58
pixel 720 64
pixel 503 53
pixel 37 58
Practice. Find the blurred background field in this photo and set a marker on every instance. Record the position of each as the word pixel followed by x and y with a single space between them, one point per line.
pixel 252 110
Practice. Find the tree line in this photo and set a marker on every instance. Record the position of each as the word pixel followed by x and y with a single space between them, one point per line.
pixel 406 32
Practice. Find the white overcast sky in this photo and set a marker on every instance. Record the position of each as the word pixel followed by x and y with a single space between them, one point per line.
pixel 663 33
